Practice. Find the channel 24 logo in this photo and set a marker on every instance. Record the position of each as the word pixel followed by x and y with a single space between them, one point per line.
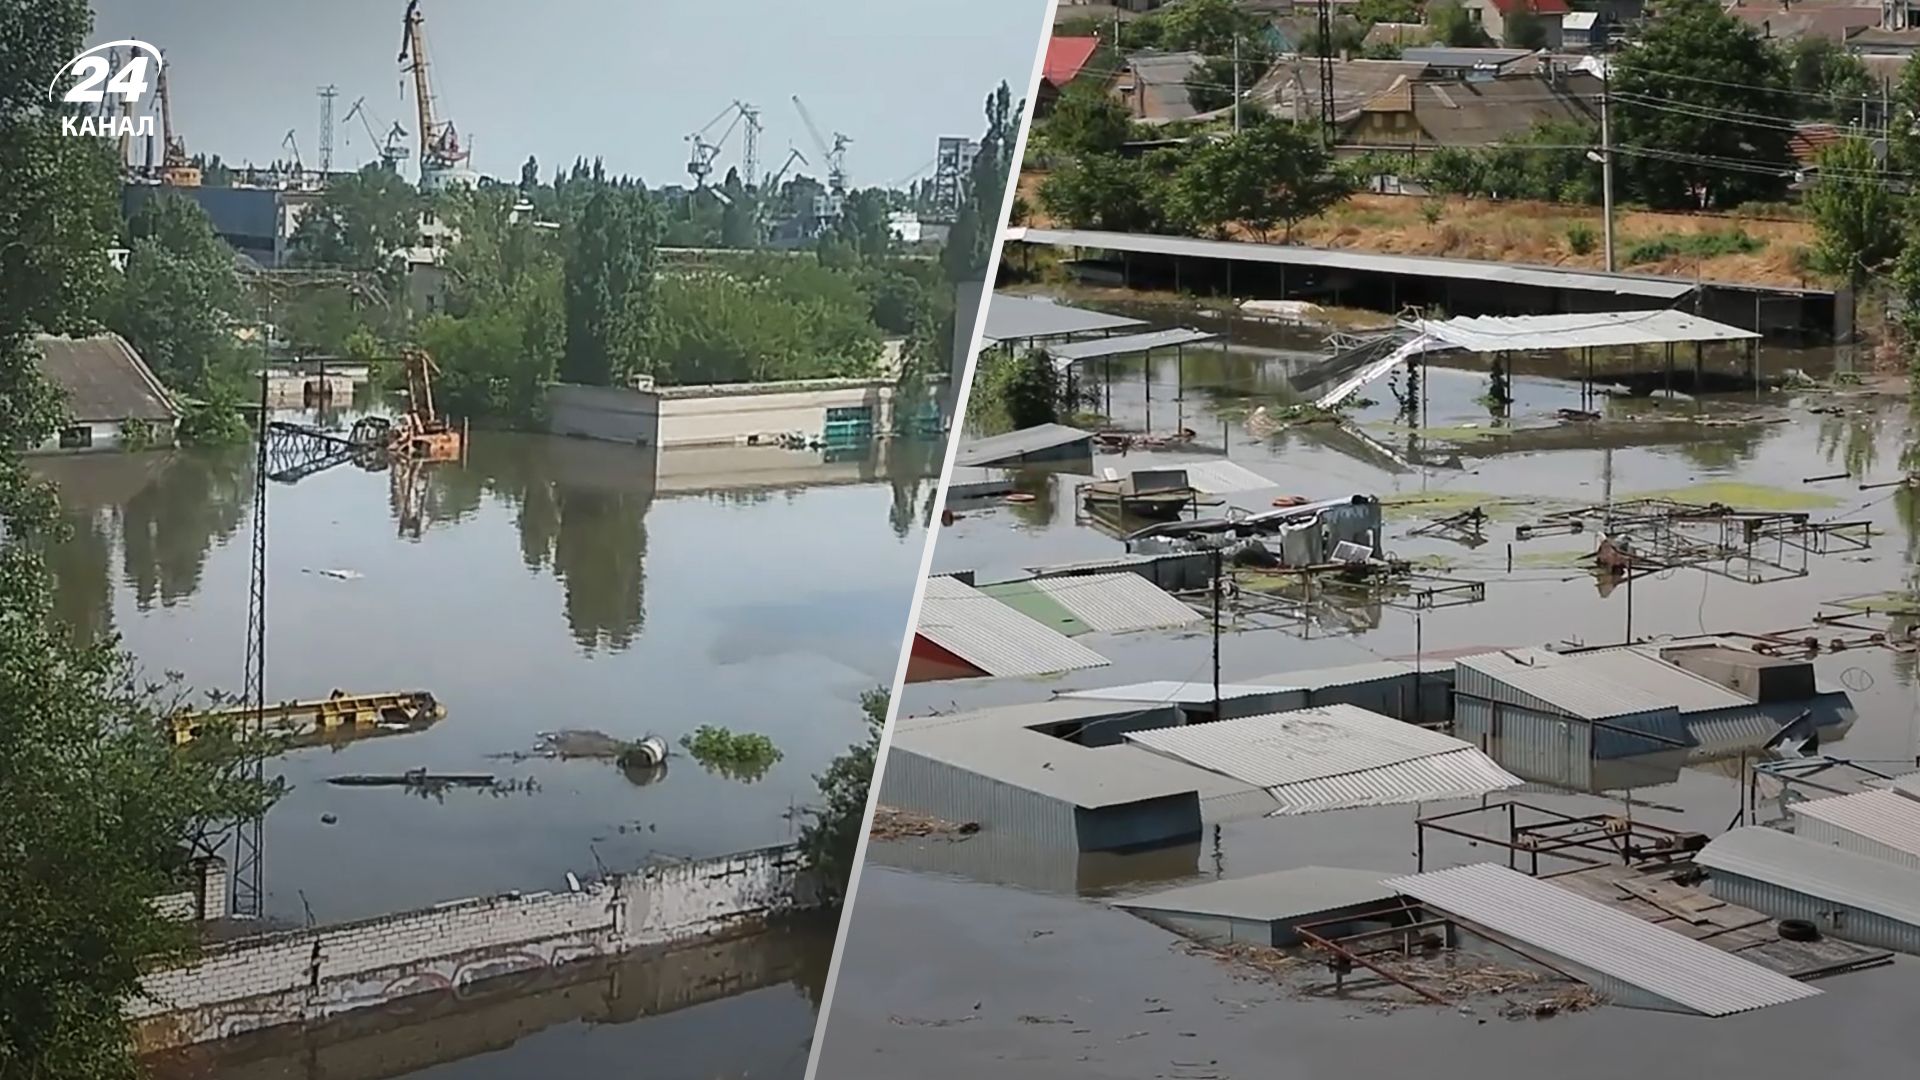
pixel 107 87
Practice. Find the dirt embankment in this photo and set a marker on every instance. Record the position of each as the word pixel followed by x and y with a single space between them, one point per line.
pixel 1746 249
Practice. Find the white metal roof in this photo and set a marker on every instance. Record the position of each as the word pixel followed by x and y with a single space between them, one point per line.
pixel 1818 870
pixel 1015 444
pixel 1908 785
pixel 1283 894
pixel 992 636
pixel 1116 603
pixel 1885 817
pixel 1026 759
pixel 1673 685
pixel 1579 693
pixel 1224 478
pixel 1333 756
pixel 1174 693
pixel 1345 675
pixel 1599 329
pixel 1065 356
pixel 1637 953
pixel 1578 20
pixel 1018 318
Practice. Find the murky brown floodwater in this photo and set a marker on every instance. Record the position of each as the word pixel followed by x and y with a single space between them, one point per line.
pixel 549 584
pixel 974 958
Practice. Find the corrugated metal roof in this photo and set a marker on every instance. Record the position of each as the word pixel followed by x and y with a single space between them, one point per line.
pixel 1114 562
pixel 1908 785
pixel 1283 894
pixel 1172 692
pixel 1463 774
pixel 1116 603
pixel 1818 870
pixel 1885 817
pixel 1449 56
pixel 1018 318
pixel 1672 685
pixel 1602 939
pixel 1015 444
pixel 1476 270
pixel 1085 777
pixel 1579 693
pixel 1065 356
pixel 1599 329
pixel 1349 675
pixel 992 636
pixel 1294 754
pixel 1225 478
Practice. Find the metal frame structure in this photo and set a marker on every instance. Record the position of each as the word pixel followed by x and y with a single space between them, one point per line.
pixel 1613 837
pixel 1667 534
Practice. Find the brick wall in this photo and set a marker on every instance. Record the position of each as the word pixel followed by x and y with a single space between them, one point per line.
pixel 305 976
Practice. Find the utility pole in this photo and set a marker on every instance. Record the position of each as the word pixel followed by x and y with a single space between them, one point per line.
pixel 1606 160
pixel 327 94
pixel 1216 632
pixel 1236 84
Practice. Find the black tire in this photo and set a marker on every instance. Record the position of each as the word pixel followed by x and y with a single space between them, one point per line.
pixel 1798 930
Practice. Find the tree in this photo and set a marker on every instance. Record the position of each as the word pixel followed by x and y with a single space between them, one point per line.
pixel 609 279
pixel 1106 192
pixel 363 221
pixel 179 301
pixel 1087 120
pixel 1832 82
pixel 1272 173
pixel 831 837
pixel 1697 91
pixel 1452 25
pixel 1391 11
pixel 1524 28
pixel 970 242
pixel 1852 209
pixel 96 800
pixel 1014 390
pixel 529 175
pixel 1219 31
pixel 1903 127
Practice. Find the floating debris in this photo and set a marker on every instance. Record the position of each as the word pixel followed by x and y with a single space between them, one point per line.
pixel 890 823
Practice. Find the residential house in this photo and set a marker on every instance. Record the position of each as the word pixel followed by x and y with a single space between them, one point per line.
pixel 1497 17
pixel 1449 62
pixel 1582 31
pixel 1154 86
pixel 1874 41
pixel 1396 35
pixel 1066 58
pixel 1291 87
pixel 1790 21
pixel 1419 115
pixel 111 398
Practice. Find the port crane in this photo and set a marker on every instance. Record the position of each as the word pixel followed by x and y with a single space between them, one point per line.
pixel 393 149
pixel 704 153
pixel 834 156
pixel 176 168
pixel 440 149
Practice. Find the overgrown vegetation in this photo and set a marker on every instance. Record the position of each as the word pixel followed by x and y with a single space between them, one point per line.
pixel 1014 390
pixel 831 836
pixel 1700 245
pixel 737 755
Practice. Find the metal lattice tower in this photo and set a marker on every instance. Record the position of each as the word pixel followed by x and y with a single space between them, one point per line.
pixel 327 94
pixel 949 175
pixel 249 890
pixel 1324 17
pixel 750 153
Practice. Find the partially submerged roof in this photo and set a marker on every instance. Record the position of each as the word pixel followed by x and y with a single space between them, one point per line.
pixel 1173 692
pixel 1346 675
pixel 1064 356
pixel 1578 693
pixel 1019 318
pixel 1884 817
pixel 1332 757
pixel 1667 682
pixel 1224 478
pixel 994 637
pixel 1014 446
pixel 1284 894
pixel 1817 870
pixel 1598 329
pixel 1622 952
pixel 1102 603
pixel 1908 785
pixel 103 380
pixel 1476 270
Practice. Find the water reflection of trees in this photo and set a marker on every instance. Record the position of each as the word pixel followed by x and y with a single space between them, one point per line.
pixel 167 527
pixel 82 577
pixel 1852 442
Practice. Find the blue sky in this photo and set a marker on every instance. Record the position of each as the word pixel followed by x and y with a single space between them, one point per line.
pixel 623 80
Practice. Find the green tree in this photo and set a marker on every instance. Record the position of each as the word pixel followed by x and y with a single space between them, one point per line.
pixel 609 279
pixel 180 300
pixel 1273 173
pixel 1013 390
pixel 1524 28
pixel 970 242
pixel 1831 81
pixel 1852 206
pixel 529 174
pixel 1087 120
pixel 1108 192
pixel 1391 11
pixel 363 221
pixel 831 837
pixel 1452 25
pixel 1903 128
pixel 96 800
pixel 1697 90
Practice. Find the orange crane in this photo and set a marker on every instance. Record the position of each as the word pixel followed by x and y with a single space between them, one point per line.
pixel 440 147
pixel 176 169
pixel 422 433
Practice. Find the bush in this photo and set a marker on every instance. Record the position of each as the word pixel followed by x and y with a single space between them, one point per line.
pixel 1706 245
pixel 832 833
pixel 1581 239
pixel 1431 210
pixel 739 755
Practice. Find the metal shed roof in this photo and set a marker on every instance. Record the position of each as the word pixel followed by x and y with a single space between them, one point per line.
pixel 1578 693
pixel 1616 945
pixel 1477 270
pixel 992 636
pixel 1885 817
pixel 1065 356
pixel 1173 693
pixel 1333 756
pixel 1600 329
pixel 1115 603
pixel 1017 444
pixel 1449 56
pixel 1224 478
pixel 1817 870
pixel 1908 785
pixel 1671 684
pixel 1283 894
pixel 1348 675
pixel 1018 318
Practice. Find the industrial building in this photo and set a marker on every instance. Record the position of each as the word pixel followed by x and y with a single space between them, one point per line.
pixel 1845 894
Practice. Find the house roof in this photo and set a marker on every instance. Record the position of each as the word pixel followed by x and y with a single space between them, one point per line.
pixel 1808 141
pixel 103 380
pixel 1396 33
pixel 1488 111
pixel 1874 37
pixel 994 637
pixel 1803 20
pixel 1293 84
pixel 1066 56
pixel 1448 56
pixel 1538 7
pixel 1160 84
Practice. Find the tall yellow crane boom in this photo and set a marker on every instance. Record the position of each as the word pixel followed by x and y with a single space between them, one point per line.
pixel 175 168
pixel 413 45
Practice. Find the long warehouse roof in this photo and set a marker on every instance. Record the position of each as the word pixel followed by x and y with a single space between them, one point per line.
pixel 1599 329
pixel 1885 817
pixel 992 636
pixel 1064 356
pixel 1014 445
pixel 1021 318
pixel 1818 870
pixel 1476 270
pixel 1619 946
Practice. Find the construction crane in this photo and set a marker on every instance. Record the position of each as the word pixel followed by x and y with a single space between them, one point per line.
pixel 292 145
pixel 175 167
pixel 834 156
pixel 393 150
pixel 704 153
pixel 440 149
pixel 793 155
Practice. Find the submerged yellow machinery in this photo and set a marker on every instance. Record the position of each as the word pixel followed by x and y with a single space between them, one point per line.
pixel 337 714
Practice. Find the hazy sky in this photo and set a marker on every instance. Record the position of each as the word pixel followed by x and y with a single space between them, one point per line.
pixel 626 80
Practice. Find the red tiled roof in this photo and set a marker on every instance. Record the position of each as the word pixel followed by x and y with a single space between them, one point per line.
pixel 1066 56
pixel 1538 7
pixel 1808 140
